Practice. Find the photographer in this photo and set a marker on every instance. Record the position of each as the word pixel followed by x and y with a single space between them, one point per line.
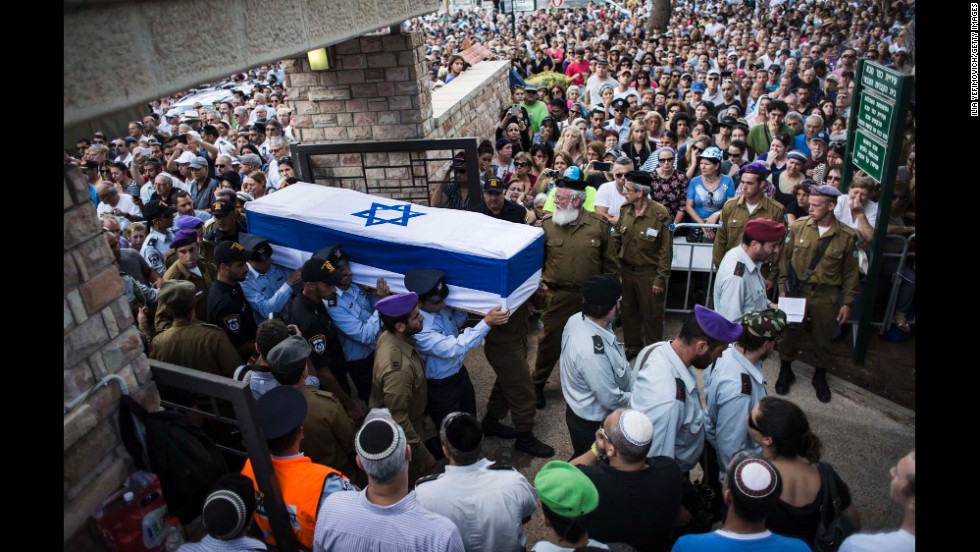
pixel 516 115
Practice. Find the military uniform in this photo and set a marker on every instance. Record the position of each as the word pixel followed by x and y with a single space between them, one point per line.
pixel 734 215
pixel 155 249
pixel 214 234
pixel 506 351
pixel 740 287
pixel 645 247
pixel 572 253
pixel 228 309
pixel 205 252
pixel 732 388
pixel 398 384
pixel 836 271
pixel 202 285
pixel 267 293
pixel 315 324
pixel 197 345
pixel 329 432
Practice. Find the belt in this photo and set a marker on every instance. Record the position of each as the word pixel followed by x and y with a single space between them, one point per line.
pixel 817 287
pixel 647 268
pixel 563 287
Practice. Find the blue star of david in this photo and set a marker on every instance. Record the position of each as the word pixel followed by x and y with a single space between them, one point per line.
pixel 404 213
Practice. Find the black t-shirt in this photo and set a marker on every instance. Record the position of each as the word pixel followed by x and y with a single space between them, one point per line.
pixel 511 212
pixel 228 309
pixel 638 508
pixel 318 328
pixel 801 522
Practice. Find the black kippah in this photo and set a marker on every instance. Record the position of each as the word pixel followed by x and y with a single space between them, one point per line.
pixel 464 432
pixel 229 508
pixel 376 440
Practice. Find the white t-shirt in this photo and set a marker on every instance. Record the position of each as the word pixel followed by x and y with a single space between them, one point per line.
pixel 608 196
pixel 843 212
pixel 896 541
pixel 125 205
pixel 594 84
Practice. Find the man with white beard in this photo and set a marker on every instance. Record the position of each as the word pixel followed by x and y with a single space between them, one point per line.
pixel 578 245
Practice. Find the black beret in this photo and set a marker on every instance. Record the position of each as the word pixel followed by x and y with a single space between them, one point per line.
pixel 429 284
pixel 602 289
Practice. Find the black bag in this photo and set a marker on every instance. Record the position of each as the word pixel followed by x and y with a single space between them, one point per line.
pixel 792 286
pixel 182 455
pixel 834 527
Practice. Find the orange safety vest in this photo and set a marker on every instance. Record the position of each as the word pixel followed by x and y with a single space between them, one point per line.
pixel 301 483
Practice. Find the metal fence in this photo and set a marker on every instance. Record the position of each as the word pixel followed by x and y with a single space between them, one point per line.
pixel 691 257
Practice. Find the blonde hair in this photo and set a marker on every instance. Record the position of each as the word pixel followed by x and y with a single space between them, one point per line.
pixel 578 143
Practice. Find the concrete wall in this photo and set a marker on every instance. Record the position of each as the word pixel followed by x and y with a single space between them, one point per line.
pixel 99 340
pixel 120 53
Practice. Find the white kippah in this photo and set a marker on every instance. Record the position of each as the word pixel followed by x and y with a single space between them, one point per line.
pixel 755 478
pixel 636 427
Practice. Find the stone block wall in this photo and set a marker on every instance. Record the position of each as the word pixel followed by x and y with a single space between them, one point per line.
pixel 100 339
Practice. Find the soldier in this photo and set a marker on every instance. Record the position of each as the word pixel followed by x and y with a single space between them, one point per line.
pixel 596 378
pixel 645 246
pixel 160 217
pixel 205 249
pixel 227 306
pixel 328 431
pixel 738 211
pixel 225 224
pixel 740 287
pixel 398 382
pixel 822 253
pixel 578 244
pixel 309 313
pixel 443 347
pixel 190 267
pixel 267 287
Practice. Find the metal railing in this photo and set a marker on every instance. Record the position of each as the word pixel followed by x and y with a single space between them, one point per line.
pixel 247 422
pixel 692 257
pixel 898 279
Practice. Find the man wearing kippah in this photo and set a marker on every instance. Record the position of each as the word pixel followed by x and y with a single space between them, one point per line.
pixel 490 502
pixel 741 286
pixel 626 480
pixel 568 499
pixel 751 204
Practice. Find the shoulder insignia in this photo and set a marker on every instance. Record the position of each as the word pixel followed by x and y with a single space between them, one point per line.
pixel 332 302
pixel 598 347
pixel 746 384
pixel 318 343
pixel 232 322
pixel 152 242
pixel 681 390
pixel 396 365
pixel 427 478
pixel 500 466
pixel 739 268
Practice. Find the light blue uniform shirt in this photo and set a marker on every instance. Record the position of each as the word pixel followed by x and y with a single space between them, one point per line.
pixel 267 293
pixel 358 324
pixel 155 249
pixel 735 295
pixel 596 378
pixel 441 345
pixel 678 425
pixel 727 425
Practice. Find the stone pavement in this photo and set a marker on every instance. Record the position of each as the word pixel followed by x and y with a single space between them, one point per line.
pixel 862 434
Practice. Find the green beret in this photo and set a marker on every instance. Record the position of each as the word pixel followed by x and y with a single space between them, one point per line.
pixel 767 323
pixel 566 490
pixel 177 292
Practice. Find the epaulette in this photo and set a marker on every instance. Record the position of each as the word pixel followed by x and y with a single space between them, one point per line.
pixel 500 466
pixel 681 390
pixel 739 269
pixel 746 384
pixel 427 478
pixel 598 347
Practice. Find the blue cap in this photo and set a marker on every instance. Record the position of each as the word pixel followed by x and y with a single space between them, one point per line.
pixel 396 306
pixel 822 136
pixel 572 173
pixel 825 190
pixel 716 326
pixel 281 410
pixel 698 86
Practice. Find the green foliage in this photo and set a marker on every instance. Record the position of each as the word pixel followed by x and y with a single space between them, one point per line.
pixel 546 79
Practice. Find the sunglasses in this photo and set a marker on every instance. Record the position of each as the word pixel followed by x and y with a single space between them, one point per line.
pixel 521 164
pixel 665 159
pixel 285 159
pixel 753 425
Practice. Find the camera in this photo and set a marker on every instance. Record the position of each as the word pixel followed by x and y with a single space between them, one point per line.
pixel 551 173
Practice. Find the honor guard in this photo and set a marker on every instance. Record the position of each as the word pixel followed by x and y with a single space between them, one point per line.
pixel 227 306
pixel 267 287
pixel 741 287
pixel 160 216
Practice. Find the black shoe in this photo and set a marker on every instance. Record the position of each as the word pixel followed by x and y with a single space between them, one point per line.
pixel 539 401
pixel 527 442
pixel 493 428
pixel 820 384
pixel 785 379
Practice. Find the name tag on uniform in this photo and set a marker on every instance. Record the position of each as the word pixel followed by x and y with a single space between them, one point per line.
pixel 653 232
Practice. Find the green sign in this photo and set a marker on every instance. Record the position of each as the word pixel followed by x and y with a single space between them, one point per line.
pixel 880 79
pixel 869 155
pixel 875 116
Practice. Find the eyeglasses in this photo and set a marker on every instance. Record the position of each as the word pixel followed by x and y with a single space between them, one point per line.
pixel 829 178
pixel 521 164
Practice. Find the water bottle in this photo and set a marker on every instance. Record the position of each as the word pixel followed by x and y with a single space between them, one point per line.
pixel 174 537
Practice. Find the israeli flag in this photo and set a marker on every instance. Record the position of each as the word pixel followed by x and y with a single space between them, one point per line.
pixel 488 262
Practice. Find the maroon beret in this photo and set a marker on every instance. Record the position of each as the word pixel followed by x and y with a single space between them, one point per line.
pixel 765 230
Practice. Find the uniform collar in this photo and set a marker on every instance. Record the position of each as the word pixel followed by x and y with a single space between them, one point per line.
pixel 686 373
pixel 747 261
pixel 832 230
pixel 406 347
pixel 479 465
pixel 747 367
pixel 606 334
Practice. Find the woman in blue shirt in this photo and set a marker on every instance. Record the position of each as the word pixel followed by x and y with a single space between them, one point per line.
pixel 709 191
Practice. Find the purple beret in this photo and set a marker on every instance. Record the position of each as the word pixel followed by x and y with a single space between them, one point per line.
pixel 755 167
pixel 825 190
pixel 188 222
pixel 184 237
pixel 397 306
pixel 716 326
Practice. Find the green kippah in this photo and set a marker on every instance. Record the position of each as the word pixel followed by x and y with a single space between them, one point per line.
pixel 565 489
pixel 767 323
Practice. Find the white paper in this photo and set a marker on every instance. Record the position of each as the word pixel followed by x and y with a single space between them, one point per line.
pixel 794 307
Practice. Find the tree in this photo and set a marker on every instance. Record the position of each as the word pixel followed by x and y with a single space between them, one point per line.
pixel 659 15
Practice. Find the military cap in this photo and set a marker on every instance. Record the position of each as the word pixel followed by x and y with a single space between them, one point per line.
pixel 765 230
pixel 396 306
pixel 156 208
pixel 282 409
pixel 321 270
pixel 566 490
pixel 494 185
pixel 716 326
pixel 222 207
pixel 463 431
pixel 231 251
pixel 727 121
pixel 228 510
pixel 184 237
pixel 619 103
pixel 825 190
pixel 289 357
pixel 177 293
pixel 602 289
pixel 188 222
pixel 766 323
pixel 333 253
pixel 639 178
pixel 757 168
pixel 262 249
pixel 377 439
pixel 429 284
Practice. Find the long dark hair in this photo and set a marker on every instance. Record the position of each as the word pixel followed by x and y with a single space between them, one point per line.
pixel 789 429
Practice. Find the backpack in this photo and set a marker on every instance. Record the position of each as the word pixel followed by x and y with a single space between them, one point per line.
pixel 182 455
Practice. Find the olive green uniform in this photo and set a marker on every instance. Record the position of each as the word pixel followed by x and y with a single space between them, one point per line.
pixel 398 384
pixel 202 285
pixel 645 247
pixel 328 432
pixel 836 271
pixel 506 351
pixel 734 215
pixel 197 345
pixel 205 248
pixel 572 254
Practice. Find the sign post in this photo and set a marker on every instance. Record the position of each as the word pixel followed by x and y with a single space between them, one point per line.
pixel 875 130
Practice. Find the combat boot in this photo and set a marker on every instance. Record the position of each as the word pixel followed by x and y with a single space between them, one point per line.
pixel 493 428
pixel 527 442
pixel 786 377
pixel 820 384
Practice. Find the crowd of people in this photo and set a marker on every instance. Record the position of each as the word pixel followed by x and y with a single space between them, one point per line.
pixel 733 118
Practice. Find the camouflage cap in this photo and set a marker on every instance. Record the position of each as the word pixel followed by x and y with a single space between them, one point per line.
pixel 767 323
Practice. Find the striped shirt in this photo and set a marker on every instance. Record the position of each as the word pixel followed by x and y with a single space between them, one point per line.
pixel 349 521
